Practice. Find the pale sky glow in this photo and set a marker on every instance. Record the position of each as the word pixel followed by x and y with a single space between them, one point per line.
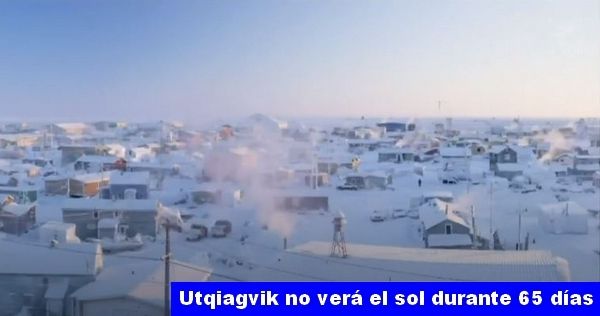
pixel 88 60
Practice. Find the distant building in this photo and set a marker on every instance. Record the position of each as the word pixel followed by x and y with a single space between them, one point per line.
pixel 87 185
pixel 372 180
pixel 396 155
pixel 70 153
pixel 136 184
pixel 95 163
pixel 397 126
pixel 301 200
pixel 71 129
pixel 584 167
pixel 504 162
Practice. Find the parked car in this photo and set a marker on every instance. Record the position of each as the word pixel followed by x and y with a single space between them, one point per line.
pixel 377 216
pixel 347 187
pixel 449 180
pixel 197 232
pixel 221 228
pixel 413 214
pixel 399 213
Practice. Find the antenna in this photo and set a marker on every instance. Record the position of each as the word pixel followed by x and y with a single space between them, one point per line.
pixel 338 245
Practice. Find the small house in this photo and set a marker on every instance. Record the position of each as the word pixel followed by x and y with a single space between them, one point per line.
pixel 396 155
pixel 91 163
pixel 443 221
pixel 58 231
pixel 371 180
pixel 56 185
pixel 584 167
pixel 134 216
pixel 16 218
pixel 88 184
pixel 136 184
pixel 502 155
pixel 301 200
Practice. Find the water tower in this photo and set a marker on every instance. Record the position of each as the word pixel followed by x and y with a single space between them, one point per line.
pixel 338 245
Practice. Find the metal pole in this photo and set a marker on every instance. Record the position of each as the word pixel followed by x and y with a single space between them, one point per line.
pixel 167 269
pixel 492 243
pixel 519 240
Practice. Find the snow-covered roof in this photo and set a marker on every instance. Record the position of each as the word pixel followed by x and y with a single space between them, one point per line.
pixel 447 264
pixel 17 209
pixel 119 178
pixel 434 213
pixel 70 126
pixel 455 152
pixel 22 258
pixel 109 205
pixel 98 159
pixel 141 281
pixel 92 177
pixel 54 225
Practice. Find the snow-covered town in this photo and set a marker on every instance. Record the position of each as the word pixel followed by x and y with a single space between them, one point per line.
pixel 87 206
pixel 437 154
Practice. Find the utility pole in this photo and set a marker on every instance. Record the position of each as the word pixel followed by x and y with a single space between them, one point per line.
pixel 519 247
pixel 492 243
pixel 167 269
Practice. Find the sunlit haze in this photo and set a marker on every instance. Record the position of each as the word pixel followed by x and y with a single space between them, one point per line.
pixel 198 60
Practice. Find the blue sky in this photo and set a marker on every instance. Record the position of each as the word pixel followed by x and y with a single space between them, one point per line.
pixel 197 60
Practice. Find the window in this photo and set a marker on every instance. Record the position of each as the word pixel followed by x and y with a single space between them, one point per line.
pixel 507 157
pixel 123 229
pixel 448 229
pixel 96 215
